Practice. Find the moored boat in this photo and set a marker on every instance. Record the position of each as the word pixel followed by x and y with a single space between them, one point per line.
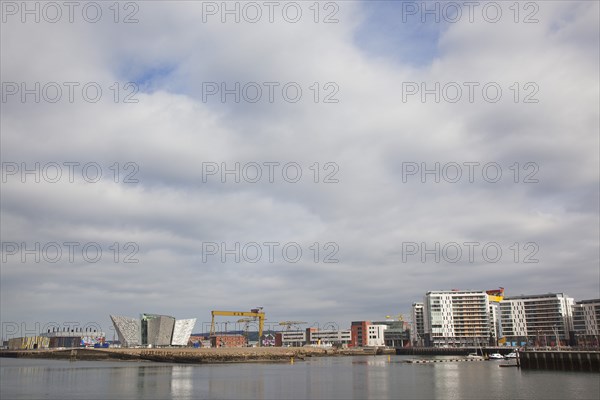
pixel 474 356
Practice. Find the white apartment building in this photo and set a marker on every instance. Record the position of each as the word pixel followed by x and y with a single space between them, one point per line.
pixel 376 335
pixel 537 319
pixel 495 325
pixel 456 318
pixel 586 322
pixel 417 330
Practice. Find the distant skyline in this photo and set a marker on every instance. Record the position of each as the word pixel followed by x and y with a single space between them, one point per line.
pixel 327 172
pixel 27 327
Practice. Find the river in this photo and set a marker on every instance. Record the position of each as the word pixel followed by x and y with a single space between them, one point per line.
pixel 359 377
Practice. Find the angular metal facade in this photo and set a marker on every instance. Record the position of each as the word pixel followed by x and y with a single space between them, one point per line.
pixel 157 329
pixel 153 329
pixel 182 331
pixel 128 329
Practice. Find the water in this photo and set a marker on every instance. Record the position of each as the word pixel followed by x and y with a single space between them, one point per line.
pixel 365 377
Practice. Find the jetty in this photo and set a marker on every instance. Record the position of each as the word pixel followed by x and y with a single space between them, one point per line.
pixel 444 360
pixel 452 351
pixel 562 360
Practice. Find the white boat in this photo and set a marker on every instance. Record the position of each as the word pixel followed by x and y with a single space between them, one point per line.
pixel 474 356
pixel 511 355
pixel 496 356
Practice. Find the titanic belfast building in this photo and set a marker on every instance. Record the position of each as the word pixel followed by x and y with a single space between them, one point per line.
pixel 153 329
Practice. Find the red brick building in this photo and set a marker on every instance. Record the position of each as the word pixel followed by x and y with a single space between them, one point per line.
pixel 367 334
pixel 360 334
pixel 228 341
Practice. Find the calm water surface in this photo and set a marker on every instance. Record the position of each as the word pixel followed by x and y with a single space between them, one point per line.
pixel 367 377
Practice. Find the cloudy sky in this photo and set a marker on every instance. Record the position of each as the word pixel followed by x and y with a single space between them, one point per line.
pixel 327 161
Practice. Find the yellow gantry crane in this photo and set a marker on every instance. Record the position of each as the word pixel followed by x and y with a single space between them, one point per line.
pixel 255 313
pixel 289 324
pixel 246 322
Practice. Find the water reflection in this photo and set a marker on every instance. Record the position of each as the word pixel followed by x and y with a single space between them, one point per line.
pixel 246 383
pixel 182 381
pixel 318 378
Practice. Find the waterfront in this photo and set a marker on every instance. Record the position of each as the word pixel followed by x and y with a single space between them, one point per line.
pixel 374 377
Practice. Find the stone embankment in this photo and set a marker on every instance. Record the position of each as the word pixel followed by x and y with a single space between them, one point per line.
pixel 188 355
pixel 221 355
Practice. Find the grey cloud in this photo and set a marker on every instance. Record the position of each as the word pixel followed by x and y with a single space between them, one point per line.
pixel 369 134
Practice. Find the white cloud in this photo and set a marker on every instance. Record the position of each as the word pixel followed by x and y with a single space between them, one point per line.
pixel 171 132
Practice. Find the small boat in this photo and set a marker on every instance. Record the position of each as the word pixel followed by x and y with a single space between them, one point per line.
pixel 511 355
pixel 474 356
pixel 507 365
pixel 496 356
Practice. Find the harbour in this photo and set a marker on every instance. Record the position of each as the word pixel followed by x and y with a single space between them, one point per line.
pixel 379 376
pixel 563 360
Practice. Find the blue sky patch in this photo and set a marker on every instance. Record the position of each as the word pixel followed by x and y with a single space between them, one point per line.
pixel 395 30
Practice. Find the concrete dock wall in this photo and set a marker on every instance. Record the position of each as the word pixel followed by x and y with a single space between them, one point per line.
pixel 452 351
pixel 561 360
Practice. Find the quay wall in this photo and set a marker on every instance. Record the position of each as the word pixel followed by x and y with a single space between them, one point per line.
pixel 452 351
pixel 560 360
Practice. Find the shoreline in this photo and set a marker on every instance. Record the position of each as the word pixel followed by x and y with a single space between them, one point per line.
pixel 189 355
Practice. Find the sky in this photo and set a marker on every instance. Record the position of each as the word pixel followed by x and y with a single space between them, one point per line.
pixel 328 161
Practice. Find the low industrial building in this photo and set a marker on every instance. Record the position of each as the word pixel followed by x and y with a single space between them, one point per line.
pixel 228 341
pixel 397 333
pixel 75 337
pixel 290 339
pixel 314 337
pixel 29 343
pixel 198 341
pixel 55 338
